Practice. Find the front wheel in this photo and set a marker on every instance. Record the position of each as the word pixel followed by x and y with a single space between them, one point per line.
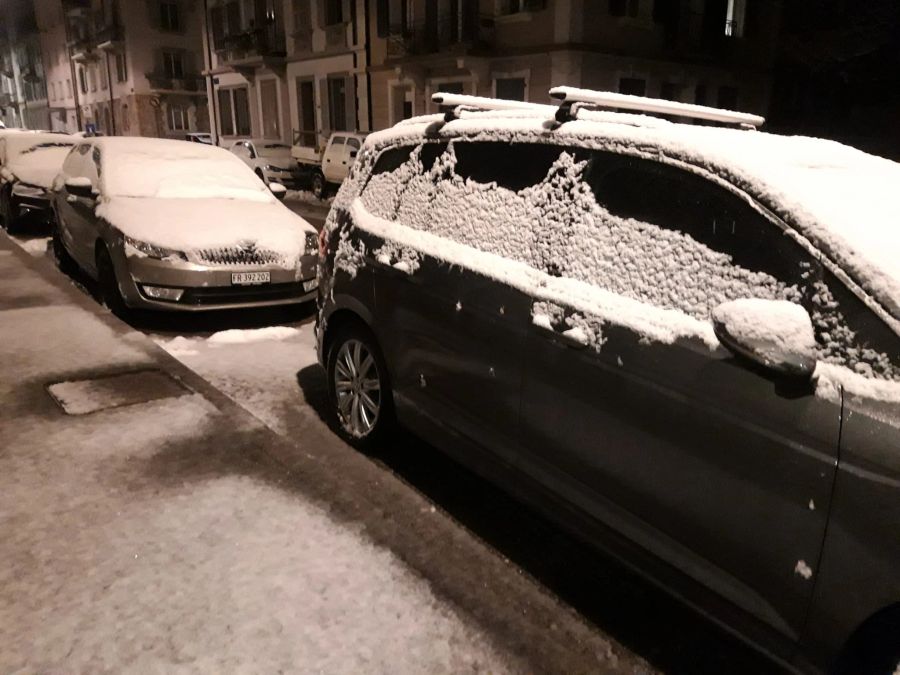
pixel 359 388
pixel 9 211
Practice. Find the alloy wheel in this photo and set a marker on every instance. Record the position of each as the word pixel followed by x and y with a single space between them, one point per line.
pixel 357 387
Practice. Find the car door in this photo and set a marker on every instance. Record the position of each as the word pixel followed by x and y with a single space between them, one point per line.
pixel 331 160
pixel 351 149
pixel 77 218
pixel 718 470
pixel 455 333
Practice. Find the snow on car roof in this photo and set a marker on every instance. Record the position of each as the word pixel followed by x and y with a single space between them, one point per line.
pixel 175 169
pixel 840 198
pixel 19 142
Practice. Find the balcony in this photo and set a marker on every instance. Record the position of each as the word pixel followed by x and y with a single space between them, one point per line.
pixel 450 33
pixel 187 83
pixel 109 36
pixel 77 9
pixel 265 43
pixel 82 49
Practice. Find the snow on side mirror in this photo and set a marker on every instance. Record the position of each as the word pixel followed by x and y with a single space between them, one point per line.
pixel 79 186
pixel 278 190
pixel 775 334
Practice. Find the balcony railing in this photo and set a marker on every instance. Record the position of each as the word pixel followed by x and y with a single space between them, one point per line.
pixel 447 32
pixel 263 41
pixel 109 33
pixel 164 82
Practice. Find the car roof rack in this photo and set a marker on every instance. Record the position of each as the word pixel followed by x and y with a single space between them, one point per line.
pixel 570 97
pixel 459 102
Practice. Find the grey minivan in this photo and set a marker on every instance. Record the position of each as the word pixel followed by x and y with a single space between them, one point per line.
pixel 682 342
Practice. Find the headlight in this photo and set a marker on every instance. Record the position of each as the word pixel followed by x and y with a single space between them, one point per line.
pixel 153 251
pixel 272 167
pixel 312 243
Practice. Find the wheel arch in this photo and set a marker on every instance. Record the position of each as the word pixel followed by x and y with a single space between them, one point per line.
pixel 861 651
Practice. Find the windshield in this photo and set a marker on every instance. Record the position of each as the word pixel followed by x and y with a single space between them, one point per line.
pixel 179 171
pixel 274 150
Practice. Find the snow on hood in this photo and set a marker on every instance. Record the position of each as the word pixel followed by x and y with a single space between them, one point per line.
pixel 840 198
pixel 194 224
pixel 39 166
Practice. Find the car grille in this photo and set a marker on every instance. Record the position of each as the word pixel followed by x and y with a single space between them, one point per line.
pixel 238 255
pixel 221 295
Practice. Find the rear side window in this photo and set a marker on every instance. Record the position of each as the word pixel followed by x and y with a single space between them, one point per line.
pixel 392 159
pixel 353 143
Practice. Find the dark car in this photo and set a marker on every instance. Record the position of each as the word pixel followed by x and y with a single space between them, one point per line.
pixel 682 342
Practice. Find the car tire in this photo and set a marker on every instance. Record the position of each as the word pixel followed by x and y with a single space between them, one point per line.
pixel 109 283
pixel 359 391
pixel 319 186
pixel 64 261
pixel 874 649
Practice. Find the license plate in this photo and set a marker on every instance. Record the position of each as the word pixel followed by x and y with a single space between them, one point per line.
pixel 310 285
pixel 249 278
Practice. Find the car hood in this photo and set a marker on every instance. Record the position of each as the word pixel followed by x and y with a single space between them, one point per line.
pixel 192 225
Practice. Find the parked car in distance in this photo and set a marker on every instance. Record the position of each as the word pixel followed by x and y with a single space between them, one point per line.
pixel 270 160
pixel 29 161
pixel 681 342
pixel 323 168
pixel 199 137
pixel 169 225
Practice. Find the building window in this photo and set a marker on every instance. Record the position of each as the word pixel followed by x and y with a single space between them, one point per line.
pixel 173 65
pixel 234 112
pixel 727 98
pixel 69 88
pixel 510 88
pixel 104 77
pixel 624 8
pixel 734 18
pixel 670 91
pixel 334 12
pixel 337 104
pixel 52 91
pixel 92 77
pixel 516 6
pixel 121 70
pixel 176 117
pixel 168 15
pixel 634 86
pixel 306 109
pixel 268 103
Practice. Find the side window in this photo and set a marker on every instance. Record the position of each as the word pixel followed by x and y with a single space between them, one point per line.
pixel 353 143
pixel 676 240
pixel 514 166
pixel 96 157
pixel 392 159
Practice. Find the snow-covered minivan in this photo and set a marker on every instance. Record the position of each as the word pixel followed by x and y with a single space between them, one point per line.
pixel 681 341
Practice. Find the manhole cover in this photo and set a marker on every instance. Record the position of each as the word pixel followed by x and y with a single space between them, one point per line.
pixel 79 397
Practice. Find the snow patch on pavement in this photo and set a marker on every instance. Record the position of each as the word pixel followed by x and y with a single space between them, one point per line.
pixel 244 336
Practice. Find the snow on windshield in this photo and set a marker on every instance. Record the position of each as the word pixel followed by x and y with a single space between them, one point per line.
pixel 39 165
pixel 176 170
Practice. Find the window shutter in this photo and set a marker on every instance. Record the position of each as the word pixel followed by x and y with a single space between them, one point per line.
pixel 324 105
pixel 350 105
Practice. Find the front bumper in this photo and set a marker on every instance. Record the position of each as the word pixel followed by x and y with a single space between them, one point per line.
pixel 208 288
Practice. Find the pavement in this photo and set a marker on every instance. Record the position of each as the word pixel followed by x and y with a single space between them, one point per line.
pixel 158 526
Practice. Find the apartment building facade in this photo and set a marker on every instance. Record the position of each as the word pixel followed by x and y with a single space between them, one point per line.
pixel 126 67
pixel 288 71
pixel 23 96
pixel 715 52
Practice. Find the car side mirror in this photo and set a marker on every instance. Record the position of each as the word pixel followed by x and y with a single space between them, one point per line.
pixel 278 190
pixel 79 186
pixel 775 334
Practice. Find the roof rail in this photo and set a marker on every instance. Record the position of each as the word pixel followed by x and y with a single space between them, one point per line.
pixel 466 102
pixel 571 95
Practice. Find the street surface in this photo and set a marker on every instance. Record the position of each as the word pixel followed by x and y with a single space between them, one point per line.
pixel 547 592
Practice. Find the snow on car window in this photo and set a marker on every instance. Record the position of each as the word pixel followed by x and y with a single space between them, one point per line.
pixel 176 170
pixel 682 252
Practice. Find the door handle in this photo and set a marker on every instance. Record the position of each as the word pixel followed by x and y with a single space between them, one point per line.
pixel 574 338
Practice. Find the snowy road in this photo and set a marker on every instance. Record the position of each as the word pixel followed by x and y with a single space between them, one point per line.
pixel 268 367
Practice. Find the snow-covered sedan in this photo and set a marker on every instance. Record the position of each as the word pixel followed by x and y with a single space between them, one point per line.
pixel 270 160
pixel 164 224
pixel 29 162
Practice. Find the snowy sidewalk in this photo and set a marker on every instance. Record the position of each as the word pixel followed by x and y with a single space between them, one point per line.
pixel 162 536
